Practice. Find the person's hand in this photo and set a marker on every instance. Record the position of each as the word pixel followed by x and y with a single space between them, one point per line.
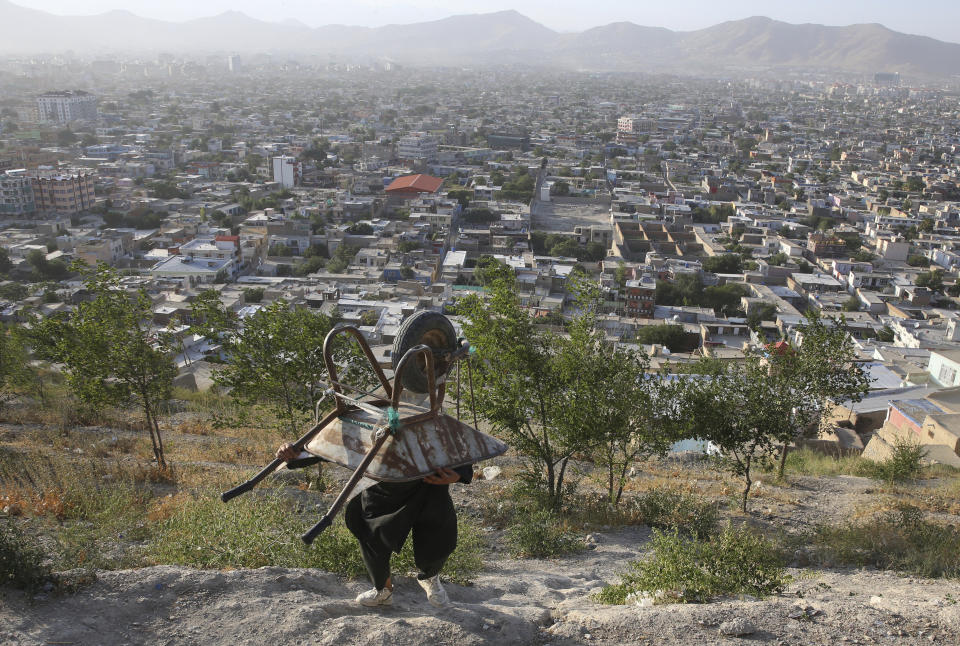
pixel 287 453
pixel 442 477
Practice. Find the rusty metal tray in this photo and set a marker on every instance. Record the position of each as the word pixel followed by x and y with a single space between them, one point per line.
pixel 425 442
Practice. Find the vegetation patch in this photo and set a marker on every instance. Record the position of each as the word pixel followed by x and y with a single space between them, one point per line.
pixel 905 463
pixel 901 540
pixel 22 562
pixel 257 531
pixel 541 534
pixel 681 570
pixel 812 463
pixel 677 511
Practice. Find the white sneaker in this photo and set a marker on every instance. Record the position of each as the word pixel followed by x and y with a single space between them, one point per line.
pixel 436 595
pixel 374 597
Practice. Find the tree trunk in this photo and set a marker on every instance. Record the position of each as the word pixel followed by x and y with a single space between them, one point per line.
pixel 749 483
pixel 551 480
pixel 783 460
pixel 154 429
pixel 153 437
pixel 163 459
pixel 563 468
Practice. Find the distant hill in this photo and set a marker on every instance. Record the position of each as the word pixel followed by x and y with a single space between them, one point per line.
pixel 501 37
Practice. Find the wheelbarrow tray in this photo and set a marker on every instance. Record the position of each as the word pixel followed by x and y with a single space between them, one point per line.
pixel 424 443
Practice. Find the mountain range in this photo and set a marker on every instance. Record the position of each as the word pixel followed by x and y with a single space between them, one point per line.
pixel 496 38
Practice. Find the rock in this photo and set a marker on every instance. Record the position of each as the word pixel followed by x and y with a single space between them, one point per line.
pixel 489 473
pixel 736 628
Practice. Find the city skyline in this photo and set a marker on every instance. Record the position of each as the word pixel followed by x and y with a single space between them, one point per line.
pixel 560 15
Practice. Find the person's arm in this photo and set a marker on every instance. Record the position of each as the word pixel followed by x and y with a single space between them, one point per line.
pixel 296 460
pixel 447 476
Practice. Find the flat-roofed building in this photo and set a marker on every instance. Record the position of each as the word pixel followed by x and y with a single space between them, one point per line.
pixel 66 106
pixel 63 193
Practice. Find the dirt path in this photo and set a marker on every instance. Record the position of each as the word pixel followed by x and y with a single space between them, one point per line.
pixel 513 602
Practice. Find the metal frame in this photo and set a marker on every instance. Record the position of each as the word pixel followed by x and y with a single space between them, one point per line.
pixel 345 404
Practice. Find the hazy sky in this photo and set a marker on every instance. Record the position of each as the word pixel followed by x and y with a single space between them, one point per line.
pixel 937 18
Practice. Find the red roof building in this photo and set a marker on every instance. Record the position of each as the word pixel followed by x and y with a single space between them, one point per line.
pixel 412 184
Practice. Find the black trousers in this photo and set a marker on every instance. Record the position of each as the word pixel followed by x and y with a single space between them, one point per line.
pixel 383 515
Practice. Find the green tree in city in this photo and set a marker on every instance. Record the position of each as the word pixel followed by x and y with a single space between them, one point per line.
pixel 274 357
pixel 932 280
pixel 110 353
pixel 530 385
pixel 821 371
pixel 672 337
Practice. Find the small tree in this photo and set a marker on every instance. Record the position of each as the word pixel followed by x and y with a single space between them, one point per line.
pixel 822 370
pixel 14 361
pixel 529 384
pixel 110 353
pixel 275 357
pixel 734 405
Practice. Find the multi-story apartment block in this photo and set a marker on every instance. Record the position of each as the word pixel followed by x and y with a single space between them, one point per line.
pixel 640 296
pixel 65 194
pixel 286 171
pixel 66 106
pixel 629 128
pixel 417 146
pixel 16 193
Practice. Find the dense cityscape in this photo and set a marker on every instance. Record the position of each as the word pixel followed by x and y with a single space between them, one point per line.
pixel 704 230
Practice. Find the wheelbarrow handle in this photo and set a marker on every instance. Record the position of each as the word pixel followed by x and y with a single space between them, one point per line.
pixel 226 496
pixel 273 466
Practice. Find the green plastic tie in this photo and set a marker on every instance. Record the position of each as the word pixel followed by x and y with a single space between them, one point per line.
pixel 393 419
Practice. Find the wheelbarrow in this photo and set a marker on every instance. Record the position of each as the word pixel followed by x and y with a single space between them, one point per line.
pixel 383 438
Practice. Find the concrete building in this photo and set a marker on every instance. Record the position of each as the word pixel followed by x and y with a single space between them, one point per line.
pixel 640 296
pixel 944 367
pixel 66 106
pixel 63 194
pixel 500 141
pixel 16 194
pixel 893 250
pixel 107 250
pixel 418 146
pixel 287 171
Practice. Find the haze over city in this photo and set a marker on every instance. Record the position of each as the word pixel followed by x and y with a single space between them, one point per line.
pixel 935 18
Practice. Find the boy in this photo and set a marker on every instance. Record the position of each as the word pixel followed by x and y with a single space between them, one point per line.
pixel 382 517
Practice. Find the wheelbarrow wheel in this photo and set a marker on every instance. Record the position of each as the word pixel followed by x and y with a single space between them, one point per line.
pixel 426 328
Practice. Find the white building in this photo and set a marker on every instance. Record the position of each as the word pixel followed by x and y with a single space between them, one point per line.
pixel 66 106
pixel 944 367
pixel 418 145
pixel 286 171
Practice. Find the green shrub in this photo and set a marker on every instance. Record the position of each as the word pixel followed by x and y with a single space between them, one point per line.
pixel 905 463
pixel 675 510
pixel 256 531
pixel 541 534
pixel 900 540
pixel 735 561
pixel 21 562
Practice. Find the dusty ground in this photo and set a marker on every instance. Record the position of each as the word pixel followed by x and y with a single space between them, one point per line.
pixel 514 602
pixel 511 602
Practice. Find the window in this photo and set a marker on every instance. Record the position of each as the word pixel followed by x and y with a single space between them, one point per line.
pixel 948 375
